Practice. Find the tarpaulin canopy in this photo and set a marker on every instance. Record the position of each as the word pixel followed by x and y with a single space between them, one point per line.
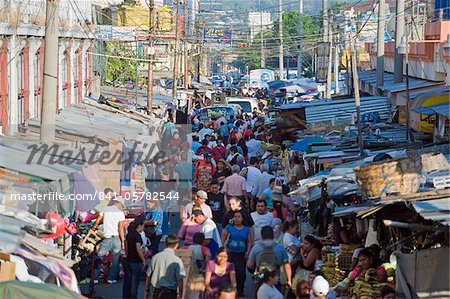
pixel 303 144
pixel 28 290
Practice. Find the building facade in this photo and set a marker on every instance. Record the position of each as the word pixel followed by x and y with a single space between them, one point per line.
pixel 22 34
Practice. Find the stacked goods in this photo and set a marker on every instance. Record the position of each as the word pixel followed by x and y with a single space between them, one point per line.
pixel 331 272
pixel 380 179
pixel 434 162
pixel 367 287
pixel 344 257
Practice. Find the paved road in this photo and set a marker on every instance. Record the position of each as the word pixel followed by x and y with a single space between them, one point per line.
pixel 114 291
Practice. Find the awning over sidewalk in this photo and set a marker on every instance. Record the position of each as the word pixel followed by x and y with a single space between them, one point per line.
pixel 442 109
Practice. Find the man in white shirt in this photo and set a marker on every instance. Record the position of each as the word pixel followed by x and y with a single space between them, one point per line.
pixel 252 176
pixel 111 216
pixel 263 180
pixel 261 218
pixel 253 146
pixel 209 229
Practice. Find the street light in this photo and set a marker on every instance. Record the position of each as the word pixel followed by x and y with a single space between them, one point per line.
pixel 402 47
pixel 447 46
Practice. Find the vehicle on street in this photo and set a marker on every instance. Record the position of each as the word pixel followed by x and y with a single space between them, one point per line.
pixel 247 104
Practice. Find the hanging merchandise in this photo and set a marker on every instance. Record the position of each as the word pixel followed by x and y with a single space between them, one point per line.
pixel 58 226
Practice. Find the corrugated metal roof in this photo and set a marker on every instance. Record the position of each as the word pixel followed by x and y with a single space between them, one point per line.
pixel 443 109
pixel 437 210
pixel 89 121
pixel 327 110
pixel 369 77
pixel 14 155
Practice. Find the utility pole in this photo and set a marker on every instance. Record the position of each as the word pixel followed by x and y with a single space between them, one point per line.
pixel 186 61
pixel 330 63
pixel 380 43
pixel 336 64
pixel 357 98
pixel 50 87
pixel 136 87
pixel 399 32
pixel 300 33
pixel 263 59
pixel 175 54
pixel 325 20
pixel 151 54
pixel 280 33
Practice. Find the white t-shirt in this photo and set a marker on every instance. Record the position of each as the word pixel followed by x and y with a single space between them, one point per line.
pixel 253 174
pixel 268 292
pixel 261 221
pixel 289 240
pixel 112 215
pixel 209 229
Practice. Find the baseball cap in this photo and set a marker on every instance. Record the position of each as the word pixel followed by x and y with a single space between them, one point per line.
pixel 320 286
pixel 202 194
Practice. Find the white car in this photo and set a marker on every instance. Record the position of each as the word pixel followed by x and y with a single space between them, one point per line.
pixel 247 104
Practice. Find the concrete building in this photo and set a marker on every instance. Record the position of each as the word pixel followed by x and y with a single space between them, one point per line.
pixel 22 58
pixel 258 21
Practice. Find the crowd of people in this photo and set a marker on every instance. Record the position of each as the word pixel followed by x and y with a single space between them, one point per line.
pixel 233 210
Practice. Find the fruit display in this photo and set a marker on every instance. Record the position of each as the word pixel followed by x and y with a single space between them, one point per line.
pixel 331 272
pixel 367 286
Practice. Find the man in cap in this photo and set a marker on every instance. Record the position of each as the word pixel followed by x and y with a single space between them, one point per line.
pixel 111 216
pixel 199 202
pixel 320 287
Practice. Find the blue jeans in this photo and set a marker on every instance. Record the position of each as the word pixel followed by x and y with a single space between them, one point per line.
pixel 165 223
pixel 114 246
pixel 131 279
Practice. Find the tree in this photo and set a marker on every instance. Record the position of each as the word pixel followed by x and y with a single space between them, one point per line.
pixel 117 69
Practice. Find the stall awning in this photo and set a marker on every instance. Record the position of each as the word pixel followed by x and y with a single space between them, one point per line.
pixel 350 210
pixel 442 109
pixel 437 210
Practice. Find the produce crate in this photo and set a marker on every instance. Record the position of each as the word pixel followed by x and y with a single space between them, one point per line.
pixel 344 261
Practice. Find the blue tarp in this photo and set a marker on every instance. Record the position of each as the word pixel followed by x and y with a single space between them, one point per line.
pixel 302 145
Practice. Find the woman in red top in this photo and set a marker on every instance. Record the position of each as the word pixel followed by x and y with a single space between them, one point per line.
pixel 204 172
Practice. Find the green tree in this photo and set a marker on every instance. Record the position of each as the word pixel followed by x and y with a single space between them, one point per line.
pixel 117 69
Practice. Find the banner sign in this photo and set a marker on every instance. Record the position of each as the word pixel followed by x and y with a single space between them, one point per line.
pixel 104 32
pixel 124 33
pixel 323 58
pixel 217 37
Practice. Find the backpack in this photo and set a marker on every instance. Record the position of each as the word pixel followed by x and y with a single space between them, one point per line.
pixel 267 258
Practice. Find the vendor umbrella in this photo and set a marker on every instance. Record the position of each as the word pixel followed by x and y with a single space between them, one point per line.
pixel 29 290
pixel 303 144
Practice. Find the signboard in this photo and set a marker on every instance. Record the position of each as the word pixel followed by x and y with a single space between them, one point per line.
pixel 209 112
pixel 124 33
pixel 217 37
pixel 262 75
pixel 104 32
pixel 323 58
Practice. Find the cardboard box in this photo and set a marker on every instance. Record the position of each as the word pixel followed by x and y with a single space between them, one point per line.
pixel 7 271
